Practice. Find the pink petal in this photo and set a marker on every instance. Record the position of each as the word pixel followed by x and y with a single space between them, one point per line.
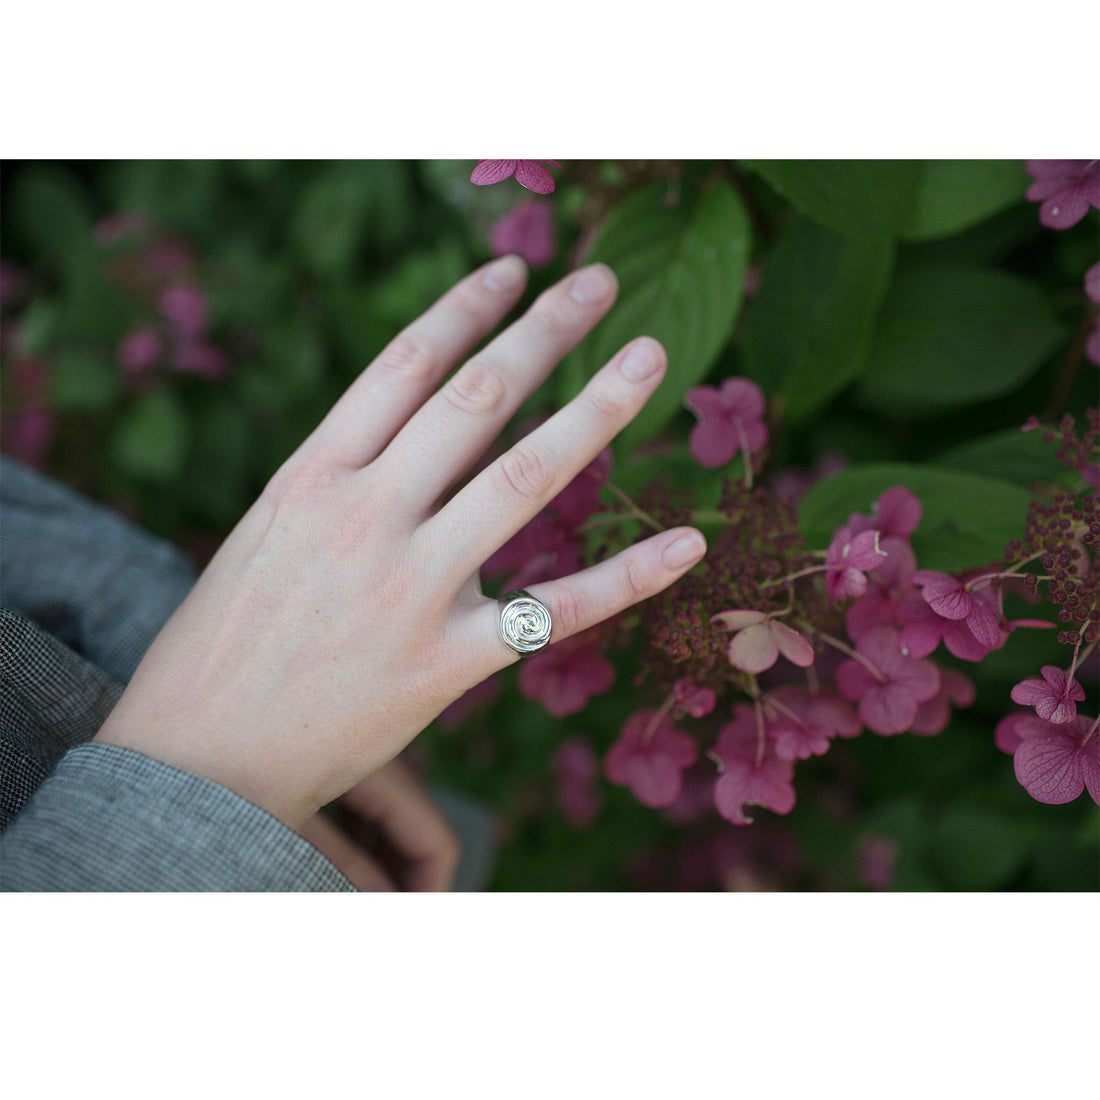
pixel 898 512
pixel 754 649
pixel 704 401
pixel 741 783
pixel 738 619
pixel 960 641
pixel 1064 210
pixel 1029 692
pixel 853 681
pixel 492 171
pixel 1049 768
pixel 886 709
pixel 946 595
pixel 792 645
pixel 534 177
pixel 984 624
pixel 864 552
pixel 1092 282
pixel 712 443
pixel 744 399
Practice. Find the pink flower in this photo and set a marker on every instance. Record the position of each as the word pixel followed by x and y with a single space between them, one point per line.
pixel 649 757
pixel 749 778
pixel 201 358
pixel 185 309
pixel 577 770
pixel 542 550
pixel 897 513
pixel 581 497
pixel 564 676
pixel 759 639
pixel 529 173
pixel 1092 289
pixel 1054 697
pixel 1092 282
pixel 1066 188
pixel 877 857
pixel 847 559
pixel 953 599
pixel 140 351
pixel 802 723
pixel 934 714
pixel 696 701
pixel 889 696
pixel 923 629
pixel 888 584
pixel 528 231
pixel 1055 763
pixel 28 435
pixel 1007 735
pixel 730 420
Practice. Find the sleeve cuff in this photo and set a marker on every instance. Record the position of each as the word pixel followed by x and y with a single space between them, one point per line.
pixel 111 819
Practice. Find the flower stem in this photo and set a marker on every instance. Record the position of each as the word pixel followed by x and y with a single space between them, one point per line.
pixel 655 721
pixel 637 512
pixel 837 644
pixel 760 743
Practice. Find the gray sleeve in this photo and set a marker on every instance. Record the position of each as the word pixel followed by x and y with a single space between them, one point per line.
pixel 110 818
pixel 84 574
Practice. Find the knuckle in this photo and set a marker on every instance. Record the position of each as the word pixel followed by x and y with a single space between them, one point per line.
pixel 635 585
pixel 608 402
pixel 406 356
pixel 477 388
pixel 551 321
pixel 526 473
pixel 569 613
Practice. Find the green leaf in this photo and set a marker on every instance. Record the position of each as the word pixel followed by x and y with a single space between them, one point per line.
pixel 979 850
pixel 680 268
pixel 51 213
pixel 956 194
pixel 1012 455
pixel 858 197
pixel 150 443
pixel 179 193
pixel 83 380
pixel 808 333
pixel 331 218
pixel 967 519
pixel 951 336
pixel 38 325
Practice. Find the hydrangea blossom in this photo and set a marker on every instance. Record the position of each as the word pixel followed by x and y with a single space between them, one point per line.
pixel 954 599
pixel 890 686
pixel 896 514
pixel 759 639
pixel 749 777
pixel 1066 188
pixel 564 676
pixel 528 231
pixel 649 757
pixel 730 420
pixel 1092 289
pixel 695 701
pixel 1055 763
pixel 140 351
pixel 847 560
pixel 577 770
pixel 802 723
pixel 1054 697
pixel 529 173
pixel 956 689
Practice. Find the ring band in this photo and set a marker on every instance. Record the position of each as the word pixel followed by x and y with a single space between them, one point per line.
pixel 524 622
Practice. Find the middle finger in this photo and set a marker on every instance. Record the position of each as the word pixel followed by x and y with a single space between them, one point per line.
pixel 451 431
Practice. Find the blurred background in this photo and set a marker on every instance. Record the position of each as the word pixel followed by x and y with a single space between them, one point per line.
pixel 172 330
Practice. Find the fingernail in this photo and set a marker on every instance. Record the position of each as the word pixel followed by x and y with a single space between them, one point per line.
pixel 593 284
pixel 685 550
pixel 505 274
pixel 641 361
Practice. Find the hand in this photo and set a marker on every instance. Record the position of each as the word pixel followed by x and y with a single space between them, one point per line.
pixel 412 829
pixel 345 611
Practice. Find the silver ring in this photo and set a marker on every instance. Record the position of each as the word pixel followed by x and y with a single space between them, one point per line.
pixel 524 622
